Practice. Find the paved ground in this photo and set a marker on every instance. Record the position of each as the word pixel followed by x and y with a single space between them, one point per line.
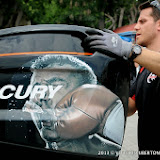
pixel 130 147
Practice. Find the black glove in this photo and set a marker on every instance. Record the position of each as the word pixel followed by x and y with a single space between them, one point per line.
pixel 108 41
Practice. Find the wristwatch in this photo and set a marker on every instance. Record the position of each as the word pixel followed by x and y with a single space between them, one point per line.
pixel 136 50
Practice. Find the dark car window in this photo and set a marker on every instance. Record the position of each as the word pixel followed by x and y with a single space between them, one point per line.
pixel 40 42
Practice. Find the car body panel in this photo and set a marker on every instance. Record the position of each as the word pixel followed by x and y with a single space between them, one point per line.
pixel 20 48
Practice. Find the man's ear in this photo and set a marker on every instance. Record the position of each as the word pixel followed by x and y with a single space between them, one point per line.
pixel 158 25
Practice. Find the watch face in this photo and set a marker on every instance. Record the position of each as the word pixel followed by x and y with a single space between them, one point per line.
pixel 137 49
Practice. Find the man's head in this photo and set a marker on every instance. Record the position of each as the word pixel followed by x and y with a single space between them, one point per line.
pixel 148 25
pixel 63 73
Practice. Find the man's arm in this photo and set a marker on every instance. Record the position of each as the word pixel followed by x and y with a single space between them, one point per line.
pixel 150 60
pixel 109 41
pixel 131 107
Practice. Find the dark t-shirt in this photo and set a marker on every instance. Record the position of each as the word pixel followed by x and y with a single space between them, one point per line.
pixel 146 93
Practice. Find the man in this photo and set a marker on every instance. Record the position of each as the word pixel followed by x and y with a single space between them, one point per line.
pixel 145 92
pixel 80 116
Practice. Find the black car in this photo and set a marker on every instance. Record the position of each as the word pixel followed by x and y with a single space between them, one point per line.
pixel 57 98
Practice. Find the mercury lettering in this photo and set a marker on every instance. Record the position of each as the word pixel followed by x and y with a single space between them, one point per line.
pixel 32 91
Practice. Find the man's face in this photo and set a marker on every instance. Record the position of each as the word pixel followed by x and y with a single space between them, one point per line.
pixel 61 79
pixel 64 76
pixel 145 28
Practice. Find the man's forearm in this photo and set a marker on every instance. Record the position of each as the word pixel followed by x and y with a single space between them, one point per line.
pixel 150 60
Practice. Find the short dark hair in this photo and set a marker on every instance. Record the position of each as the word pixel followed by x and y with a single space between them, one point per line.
pixel 155 11
pixel 79 66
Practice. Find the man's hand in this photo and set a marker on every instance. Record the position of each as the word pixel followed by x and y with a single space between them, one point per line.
pixel 108 41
